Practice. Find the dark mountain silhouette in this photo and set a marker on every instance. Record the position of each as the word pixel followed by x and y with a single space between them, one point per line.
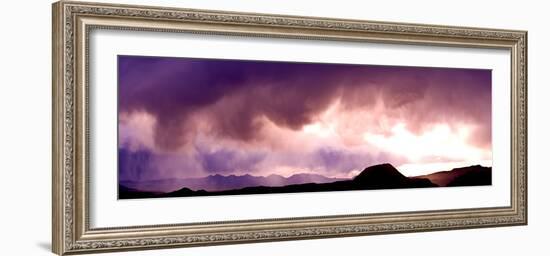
pixel 475 175
pixel 220 182
pixel 383 176
pixel 130 193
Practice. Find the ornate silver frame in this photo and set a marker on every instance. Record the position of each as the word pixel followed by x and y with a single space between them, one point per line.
pixel 72 22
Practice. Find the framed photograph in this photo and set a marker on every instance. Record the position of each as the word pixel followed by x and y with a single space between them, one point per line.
pixel 178 127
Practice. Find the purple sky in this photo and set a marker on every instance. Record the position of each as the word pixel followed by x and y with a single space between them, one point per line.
pixel 183 117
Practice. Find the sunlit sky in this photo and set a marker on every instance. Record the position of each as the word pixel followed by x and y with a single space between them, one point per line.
pixel 182 117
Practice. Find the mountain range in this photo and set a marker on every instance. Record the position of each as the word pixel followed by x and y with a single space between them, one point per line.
pixel 383 176
pixel 220 182
pixel 465 176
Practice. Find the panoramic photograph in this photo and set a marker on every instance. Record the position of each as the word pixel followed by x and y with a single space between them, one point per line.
pixel 219 127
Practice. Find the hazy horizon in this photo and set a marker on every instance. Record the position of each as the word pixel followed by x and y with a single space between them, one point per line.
pixel 308 173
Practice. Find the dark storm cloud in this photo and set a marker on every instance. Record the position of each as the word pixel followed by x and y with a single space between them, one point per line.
pixel 173 89
pixel 232 96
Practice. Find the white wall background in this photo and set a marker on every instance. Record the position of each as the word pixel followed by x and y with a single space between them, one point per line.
pixel 25 114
